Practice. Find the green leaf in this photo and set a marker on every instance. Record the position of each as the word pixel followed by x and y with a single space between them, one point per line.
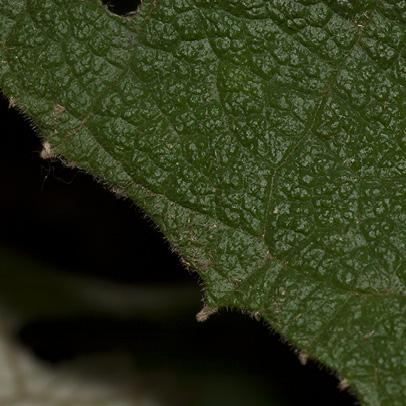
pixel 267 141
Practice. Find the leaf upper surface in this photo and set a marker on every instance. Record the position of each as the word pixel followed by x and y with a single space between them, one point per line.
pixel 265 138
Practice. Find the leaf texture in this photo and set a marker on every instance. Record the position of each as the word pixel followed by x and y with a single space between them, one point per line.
pixel 265 138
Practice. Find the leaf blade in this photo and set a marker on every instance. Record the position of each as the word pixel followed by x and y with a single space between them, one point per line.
pixel 252 135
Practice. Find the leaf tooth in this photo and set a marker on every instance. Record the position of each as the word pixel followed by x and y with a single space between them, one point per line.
pixel 204 314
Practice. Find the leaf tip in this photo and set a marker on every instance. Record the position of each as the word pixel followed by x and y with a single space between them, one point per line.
pixel 343 383
pixel 204 314
pixel 46 152
pixel 256 315
pixel 303 357
pixel 119 191
pixel 13 103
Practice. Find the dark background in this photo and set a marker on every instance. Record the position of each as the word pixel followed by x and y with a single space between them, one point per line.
pixel 61 231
